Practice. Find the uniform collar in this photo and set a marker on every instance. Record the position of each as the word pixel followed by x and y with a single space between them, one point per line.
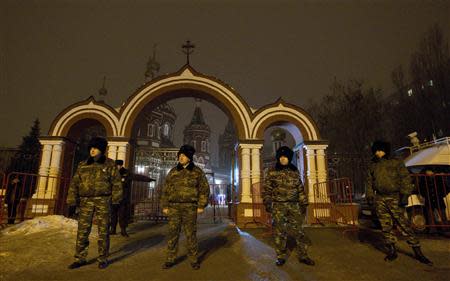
pixel 290 166
pixel 190 166
pixel 100 160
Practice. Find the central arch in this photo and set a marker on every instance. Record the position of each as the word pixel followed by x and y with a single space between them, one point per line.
pixel 187 83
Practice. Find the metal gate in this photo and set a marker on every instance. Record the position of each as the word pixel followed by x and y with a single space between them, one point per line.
pixel 145 203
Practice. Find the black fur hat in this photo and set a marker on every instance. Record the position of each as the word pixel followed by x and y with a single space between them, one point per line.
pixel 380 145
pixel 99 143
pixel 187 150
pixel 284 151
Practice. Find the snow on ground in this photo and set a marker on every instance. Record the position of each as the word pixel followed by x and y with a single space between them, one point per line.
pixel 40 224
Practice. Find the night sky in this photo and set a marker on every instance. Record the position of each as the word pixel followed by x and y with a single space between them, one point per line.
pixel 55 53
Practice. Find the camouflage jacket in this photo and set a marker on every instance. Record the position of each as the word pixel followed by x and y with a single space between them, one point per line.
pixel 388 177
pixel 93 179
pixel 185 185
pixel 283 184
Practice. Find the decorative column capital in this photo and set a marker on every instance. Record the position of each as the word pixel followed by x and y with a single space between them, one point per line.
pixel 52 142
pixel 315 146
pixel 118 143
pixel 250 145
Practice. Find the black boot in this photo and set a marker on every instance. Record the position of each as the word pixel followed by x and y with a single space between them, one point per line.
pixel 168 265
pixel 420 257
pixel 392 252
pixel 306 260
pixel 195 265
pixel 77 264
pixel 103 264
pixel 124 233
pixel 280 261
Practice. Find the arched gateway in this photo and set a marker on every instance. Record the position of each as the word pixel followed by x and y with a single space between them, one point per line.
pixel 250 126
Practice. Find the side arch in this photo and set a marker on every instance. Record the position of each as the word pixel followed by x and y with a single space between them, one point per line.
pixel 284 113
pixel 89 109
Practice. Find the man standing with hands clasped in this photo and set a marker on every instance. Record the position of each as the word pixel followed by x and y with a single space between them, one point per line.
pixel 185 194
pixel 285 198
pixel 95 185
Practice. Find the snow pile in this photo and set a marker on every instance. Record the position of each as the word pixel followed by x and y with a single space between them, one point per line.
pixel 41 224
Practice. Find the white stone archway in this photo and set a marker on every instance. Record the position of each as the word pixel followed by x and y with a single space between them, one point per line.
pixel 187 82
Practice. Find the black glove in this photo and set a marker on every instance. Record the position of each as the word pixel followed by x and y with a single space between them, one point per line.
pixel 403 200
pixel 268 207
pixel 72 211
pixel 370 200
pixel 303 208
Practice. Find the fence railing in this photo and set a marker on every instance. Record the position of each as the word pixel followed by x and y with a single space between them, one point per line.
pixel 429 206
pixel 333 203
pixel 29 195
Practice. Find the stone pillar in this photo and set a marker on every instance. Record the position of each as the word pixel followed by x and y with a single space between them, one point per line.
pixel 112 150
pixel 55 163
pixel 118 149
pixel 321 163
pixel 45 159
pixel 122 153
pixel 49 169
pixel 311 175
pixel 55 169
pixel 317 186
pixel 256 172
pixel 48 182
pixel 246 196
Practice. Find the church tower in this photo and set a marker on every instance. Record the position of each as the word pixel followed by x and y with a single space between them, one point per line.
pixel 227 141
pixel 197 134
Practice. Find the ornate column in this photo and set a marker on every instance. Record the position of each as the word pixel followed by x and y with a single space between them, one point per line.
pixel 50 167
pixel 45 159
pixel 311 175
pixel 122 153
pixel 321 163
pixel 55 169
pixel 256 172
pixel 245 174
pixel 316 170
pixel 118 148
pixel 112 150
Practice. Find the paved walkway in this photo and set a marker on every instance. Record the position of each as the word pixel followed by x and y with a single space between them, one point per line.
pixel 227 253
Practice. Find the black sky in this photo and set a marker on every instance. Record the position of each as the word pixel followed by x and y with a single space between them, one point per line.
pixel 55 53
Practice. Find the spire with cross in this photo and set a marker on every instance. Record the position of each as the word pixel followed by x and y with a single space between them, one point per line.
pixel 153 66
pixel 188 49
pixel 103 91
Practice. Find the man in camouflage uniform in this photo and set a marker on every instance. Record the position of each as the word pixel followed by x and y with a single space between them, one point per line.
pixel 121 212
pixel 185 193
pixel 284 196
pixel 388 181
pixel 95 185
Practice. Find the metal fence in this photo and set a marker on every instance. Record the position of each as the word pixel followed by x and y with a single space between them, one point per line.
pixel 333 203
pixel 429 206
pixel 25 196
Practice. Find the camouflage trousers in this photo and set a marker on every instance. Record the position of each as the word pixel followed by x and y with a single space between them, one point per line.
pixel 288 217
pixel 182 216
pixel 390 214
pixel 102 208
